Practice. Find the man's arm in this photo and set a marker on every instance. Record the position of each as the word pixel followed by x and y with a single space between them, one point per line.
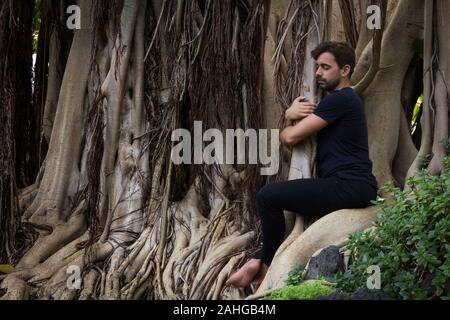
pixel 294 133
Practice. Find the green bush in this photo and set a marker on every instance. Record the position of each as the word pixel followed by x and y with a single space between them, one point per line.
pixel 295 275
pixel 410 241
pixel 307 290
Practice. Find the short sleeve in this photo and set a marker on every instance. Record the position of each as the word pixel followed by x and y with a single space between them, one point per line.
pixel 332 107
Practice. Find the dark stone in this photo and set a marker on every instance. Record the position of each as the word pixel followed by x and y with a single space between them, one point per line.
pixel 367 294
pixel 427 284
pixel 447 288
pixel 360 294
pixel 327 263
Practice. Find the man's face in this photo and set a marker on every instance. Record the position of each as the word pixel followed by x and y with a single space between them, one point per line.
pixel 328 73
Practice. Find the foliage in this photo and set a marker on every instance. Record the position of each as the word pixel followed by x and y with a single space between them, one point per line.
pixel 37 20
pixel 446 143
pixel 424 160
pixel 416 114
pixel 307 290
pixel 6 268
pixel 295 275
pixel 410 242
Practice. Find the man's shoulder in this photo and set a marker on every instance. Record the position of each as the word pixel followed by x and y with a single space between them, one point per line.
pixel 352 93
pixel 344 101
pixel 344 96
pixel 347 96
pixel 345 92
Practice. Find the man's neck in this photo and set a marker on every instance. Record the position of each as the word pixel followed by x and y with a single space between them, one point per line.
pixel 343 84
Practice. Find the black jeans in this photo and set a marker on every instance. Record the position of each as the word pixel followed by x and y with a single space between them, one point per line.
pixel 309 197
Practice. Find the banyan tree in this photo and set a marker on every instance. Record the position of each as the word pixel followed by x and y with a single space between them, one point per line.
pixel 92 205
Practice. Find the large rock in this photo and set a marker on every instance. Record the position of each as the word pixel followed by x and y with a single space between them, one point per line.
pixel 324 263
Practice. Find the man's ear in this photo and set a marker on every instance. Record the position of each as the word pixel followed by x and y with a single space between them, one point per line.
pixel 345 71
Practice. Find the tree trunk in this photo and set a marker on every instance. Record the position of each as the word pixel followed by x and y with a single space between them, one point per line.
pixel 108 199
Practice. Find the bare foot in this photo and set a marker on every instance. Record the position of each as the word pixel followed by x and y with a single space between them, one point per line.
pixel 261 275
pixel 245 275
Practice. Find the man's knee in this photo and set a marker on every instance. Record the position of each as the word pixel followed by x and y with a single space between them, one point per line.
pixel 264 195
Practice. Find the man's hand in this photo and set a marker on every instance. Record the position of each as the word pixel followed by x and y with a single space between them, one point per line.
pixel 299 109
pixel 295 131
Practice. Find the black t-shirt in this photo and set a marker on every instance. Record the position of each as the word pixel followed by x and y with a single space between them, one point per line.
pixel 343 147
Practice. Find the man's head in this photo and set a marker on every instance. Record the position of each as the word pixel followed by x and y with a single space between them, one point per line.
pixel 335 63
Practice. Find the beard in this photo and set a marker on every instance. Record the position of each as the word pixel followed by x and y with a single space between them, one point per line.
pixel 328 85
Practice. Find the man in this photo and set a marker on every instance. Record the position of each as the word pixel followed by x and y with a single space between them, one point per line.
pixel 345 178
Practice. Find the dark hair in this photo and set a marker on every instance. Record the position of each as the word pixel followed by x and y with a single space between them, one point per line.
pixel 343 53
